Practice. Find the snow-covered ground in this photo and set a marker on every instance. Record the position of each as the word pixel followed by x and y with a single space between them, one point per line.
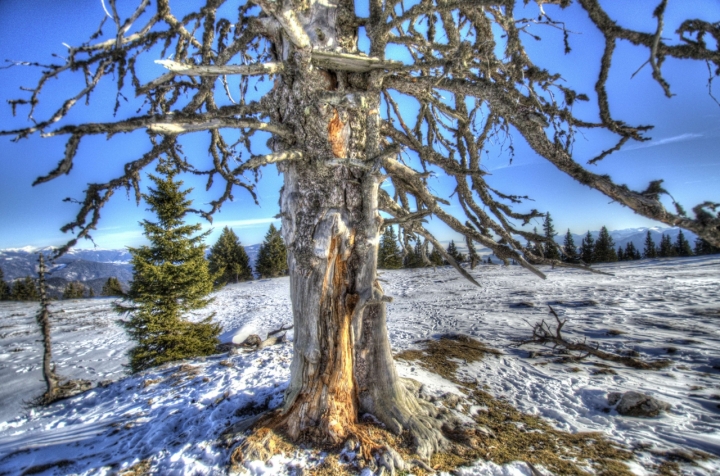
pixel 170 419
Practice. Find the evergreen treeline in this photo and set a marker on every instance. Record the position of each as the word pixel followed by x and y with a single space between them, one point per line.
pixel 602 249
pixel 391 256
pixel 4 287
pixel 76 290
pixel 112 287
pixel 24 289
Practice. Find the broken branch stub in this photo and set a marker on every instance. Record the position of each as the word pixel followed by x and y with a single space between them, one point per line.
pixel 254 342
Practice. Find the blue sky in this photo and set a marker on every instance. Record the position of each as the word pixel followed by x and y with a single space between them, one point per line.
pixel 683 149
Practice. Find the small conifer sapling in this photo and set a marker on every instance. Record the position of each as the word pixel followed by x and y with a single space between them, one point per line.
pixel 171 277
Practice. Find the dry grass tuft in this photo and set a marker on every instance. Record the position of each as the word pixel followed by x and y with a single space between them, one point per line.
pixel 522 437
pixel 151 381
pixel 674 458
pixel 184 373
pixel 500 434
pixel 604 371
pixel 141 468
pixel 330 466
pixel 266 441
pixel 65 389
pixel 443 356
pixel 516 436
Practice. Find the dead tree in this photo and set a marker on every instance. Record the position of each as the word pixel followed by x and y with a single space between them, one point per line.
pixel 337 129
pixel 43 319
pixel 56 387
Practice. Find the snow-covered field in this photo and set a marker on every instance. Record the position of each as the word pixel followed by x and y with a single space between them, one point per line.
pixel 170 419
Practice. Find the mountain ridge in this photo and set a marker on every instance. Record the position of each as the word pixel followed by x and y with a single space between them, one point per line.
pixel 90 267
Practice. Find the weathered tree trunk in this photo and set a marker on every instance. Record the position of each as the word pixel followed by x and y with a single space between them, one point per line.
pixel 342 364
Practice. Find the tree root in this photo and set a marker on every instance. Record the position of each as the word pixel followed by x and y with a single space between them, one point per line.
pixel 543 334
pixel 500 434
pixel 64 389
pixel 424 433
pixel 416 437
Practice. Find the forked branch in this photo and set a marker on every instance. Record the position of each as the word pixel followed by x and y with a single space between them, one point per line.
pixel 544 334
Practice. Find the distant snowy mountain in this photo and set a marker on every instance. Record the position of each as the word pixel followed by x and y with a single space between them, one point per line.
pixel 100 256
pixel 252 252
pixel 77 265
pixel 92 267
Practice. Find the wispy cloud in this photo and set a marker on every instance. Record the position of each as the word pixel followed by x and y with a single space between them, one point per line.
pixel 667 140
pixel 244 223
pixel 116 240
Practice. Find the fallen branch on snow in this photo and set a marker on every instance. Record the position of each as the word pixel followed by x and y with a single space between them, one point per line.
pixel 543 334
pixel 254 342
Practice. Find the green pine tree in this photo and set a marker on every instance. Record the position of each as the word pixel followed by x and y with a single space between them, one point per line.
pixel 666 250
pixel 570 250
pixel 549 248
pixel 621 254
pixel 272 256
pixel 413 259
pixel 73 290
pixel 24 290
pixel 702 247
pixel 170 278
pixel 4 287
pixel 435 257
pixel 454 253
pixel 650 250
pixel 229 263
pixel 604 251
pixel 112 287
pixel 534 247
pixel 587 249
pixel 682 245
pixel 389 252
pixel 631 253
pixel 473 256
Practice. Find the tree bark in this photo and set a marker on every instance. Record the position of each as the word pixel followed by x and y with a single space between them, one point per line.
pixel 342 364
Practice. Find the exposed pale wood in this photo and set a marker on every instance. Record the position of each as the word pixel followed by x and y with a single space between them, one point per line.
pixel 209 70
pixel 262 160
pixel 323 59
pixel 213 70
pixel 350 62
pixel 173 127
